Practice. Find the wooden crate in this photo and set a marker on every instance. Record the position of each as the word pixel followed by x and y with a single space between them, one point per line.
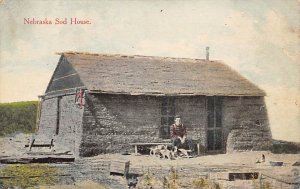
pixel 120 167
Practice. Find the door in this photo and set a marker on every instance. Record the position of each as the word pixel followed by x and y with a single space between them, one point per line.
pixel 214 123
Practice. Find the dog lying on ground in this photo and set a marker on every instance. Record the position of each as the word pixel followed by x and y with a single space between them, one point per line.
pixel 169 152
pixel 180 152
pixel 184 152
pixel 163 151
pixel 156 150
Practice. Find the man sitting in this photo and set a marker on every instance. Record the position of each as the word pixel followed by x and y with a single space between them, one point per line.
pixel 179 135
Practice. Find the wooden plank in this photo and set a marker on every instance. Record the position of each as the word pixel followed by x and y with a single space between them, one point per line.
pixel 41 159
pixel 48 93
pixel 149 143
pixel 31 144
pixel 39 145
pixel 54 79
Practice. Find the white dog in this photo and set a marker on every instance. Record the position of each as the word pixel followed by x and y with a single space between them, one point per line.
pixel 184 152
pixel 166 154
pixel 156 150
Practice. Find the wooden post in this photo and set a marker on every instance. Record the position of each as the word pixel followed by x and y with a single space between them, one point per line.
pixel 51 144
pixel 198 148
pixel 38 114
pixel 135 149
pixel 32 142
pixel 260 181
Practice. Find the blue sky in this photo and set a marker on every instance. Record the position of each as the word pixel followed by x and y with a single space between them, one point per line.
pixel 259 39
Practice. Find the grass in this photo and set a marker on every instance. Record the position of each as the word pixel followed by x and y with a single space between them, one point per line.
pixel 28 175
pixel 203 183
pixel 262 185
pixel 18 117
pixel 173 181
pixel 200 183
pixel 147 181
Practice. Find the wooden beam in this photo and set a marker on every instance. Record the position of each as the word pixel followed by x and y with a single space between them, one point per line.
pixel 55 79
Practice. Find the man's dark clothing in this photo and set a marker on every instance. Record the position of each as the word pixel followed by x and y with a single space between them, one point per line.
pixel 180 131
pixel 177 130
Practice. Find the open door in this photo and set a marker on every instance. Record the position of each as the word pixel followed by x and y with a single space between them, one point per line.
pixel 214 124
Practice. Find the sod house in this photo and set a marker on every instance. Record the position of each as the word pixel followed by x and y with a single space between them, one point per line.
pixel 100 103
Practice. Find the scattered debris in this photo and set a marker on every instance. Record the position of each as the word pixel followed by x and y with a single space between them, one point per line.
pixel 242 176
pixel 263 158
pixel 125 153
pixel 132 181
pixel 276 163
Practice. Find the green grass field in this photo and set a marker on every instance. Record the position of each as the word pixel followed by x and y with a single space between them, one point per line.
pixel 18 117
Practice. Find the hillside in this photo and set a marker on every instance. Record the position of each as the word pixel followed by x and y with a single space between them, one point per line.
pixel 18 117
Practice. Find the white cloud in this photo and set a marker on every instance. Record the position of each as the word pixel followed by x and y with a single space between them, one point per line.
pixel 259 42
pixel 283 105
pixel 178 48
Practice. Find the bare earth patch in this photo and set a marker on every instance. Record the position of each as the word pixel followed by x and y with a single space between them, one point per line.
pixel 211 168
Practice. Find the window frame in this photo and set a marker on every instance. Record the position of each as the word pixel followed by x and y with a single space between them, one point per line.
pixel 167 115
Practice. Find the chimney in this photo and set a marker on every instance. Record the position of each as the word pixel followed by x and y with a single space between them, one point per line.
pixel 207 53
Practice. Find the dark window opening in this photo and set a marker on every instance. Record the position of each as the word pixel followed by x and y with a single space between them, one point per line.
pixel 58 115
pixel 167 116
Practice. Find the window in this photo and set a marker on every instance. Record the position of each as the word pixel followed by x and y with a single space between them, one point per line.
pixel 167 116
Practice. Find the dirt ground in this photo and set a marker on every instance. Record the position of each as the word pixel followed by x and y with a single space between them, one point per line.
pixel 217 167
pixel 14 146
pixel 211 167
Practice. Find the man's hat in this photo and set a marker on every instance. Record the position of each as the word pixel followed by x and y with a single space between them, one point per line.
pixel 177 116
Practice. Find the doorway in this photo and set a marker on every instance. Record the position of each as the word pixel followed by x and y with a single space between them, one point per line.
pixel 214 123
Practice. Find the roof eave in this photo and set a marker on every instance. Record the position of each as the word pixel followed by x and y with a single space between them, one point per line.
pixel 172 94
